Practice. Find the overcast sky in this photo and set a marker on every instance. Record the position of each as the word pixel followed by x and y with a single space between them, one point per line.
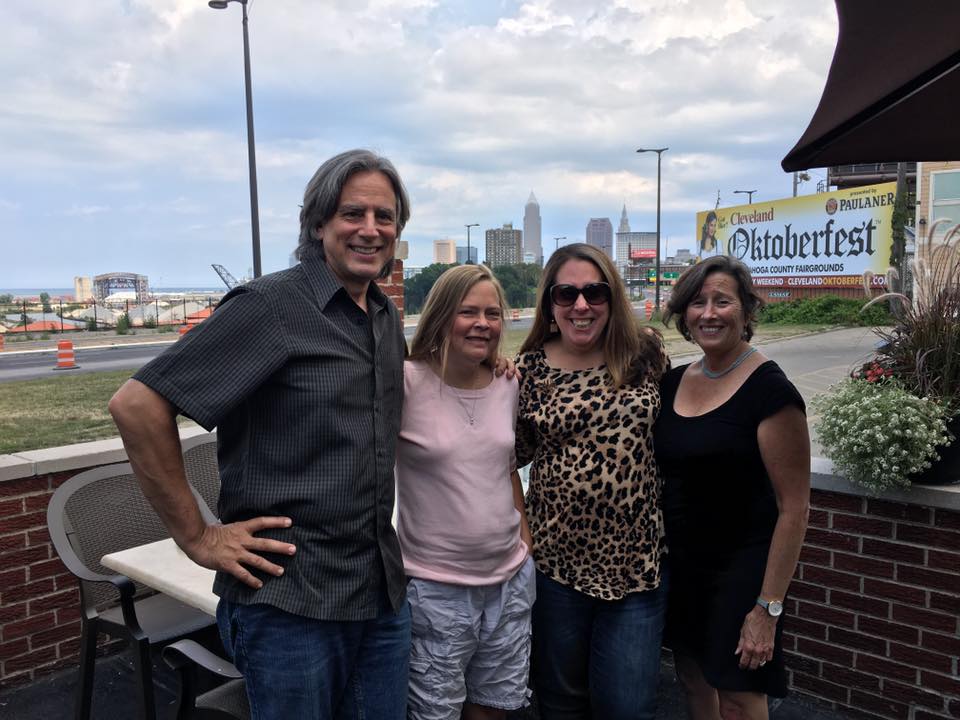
pixel 123 137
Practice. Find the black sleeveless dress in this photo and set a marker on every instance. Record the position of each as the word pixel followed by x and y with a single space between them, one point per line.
pixel 720 511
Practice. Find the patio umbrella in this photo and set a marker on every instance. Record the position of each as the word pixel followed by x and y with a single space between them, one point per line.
pixel 893 90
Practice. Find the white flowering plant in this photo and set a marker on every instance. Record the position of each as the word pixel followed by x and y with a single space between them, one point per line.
pixel 877 432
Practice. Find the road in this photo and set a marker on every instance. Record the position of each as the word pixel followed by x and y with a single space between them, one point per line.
pixel 815 362
pixel 812 362
pixel 38 364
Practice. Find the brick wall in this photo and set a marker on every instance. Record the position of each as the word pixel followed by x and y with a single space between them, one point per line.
pixel 393 286
pixel 873 611
pixel 39 598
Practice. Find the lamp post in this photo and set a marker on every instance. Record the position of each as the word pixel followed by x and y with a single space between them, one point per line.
pixel 468 226
pixel 251 149
pixel 659 152
pixel 556 242
pixel 748 193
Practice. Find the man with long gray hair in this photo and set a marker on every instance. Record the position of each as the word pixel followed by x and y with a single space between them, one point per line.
pixel 301 372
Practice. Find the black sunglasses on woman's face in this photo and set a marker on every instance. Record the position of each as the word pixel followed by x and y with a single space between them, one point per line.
pixel 597 293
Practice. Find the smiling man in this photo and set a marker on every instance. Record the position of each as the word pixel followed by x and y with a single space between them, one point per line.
pixel 301 371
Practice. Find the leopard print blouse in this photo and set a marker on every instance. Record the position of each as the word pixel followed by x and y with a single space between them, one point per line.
pixel 593 502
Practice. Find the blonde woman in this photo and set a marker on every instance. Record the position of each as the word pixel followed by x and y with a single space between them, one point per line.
pixel 589 395
pixel 462 525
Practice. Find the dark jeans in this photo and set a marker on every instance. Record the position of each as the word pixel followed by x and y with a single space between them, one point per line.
pixel 297 667
pixel 596 658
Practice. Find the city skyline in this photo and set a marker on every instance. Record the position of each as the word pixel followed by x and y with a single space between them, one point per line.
pixel 131 155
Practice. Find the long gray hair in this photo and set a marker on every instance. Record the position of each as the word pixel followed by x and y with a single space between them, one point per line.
pixel 322 196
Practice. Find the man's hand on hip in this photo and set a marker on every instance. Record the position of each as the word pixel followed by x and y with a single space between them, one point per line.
pixel 233 547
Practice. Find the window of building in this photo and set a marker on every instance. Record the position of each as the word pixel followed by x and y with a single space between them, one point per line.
pixel 944 200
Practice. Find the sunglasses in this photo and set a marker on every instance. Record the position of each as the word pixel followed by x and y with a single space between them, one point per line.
pixel 597 293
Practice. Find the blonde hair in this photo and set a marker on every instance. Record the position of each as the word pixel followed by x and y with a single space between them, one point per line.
pixel 431 341
pixel 627 352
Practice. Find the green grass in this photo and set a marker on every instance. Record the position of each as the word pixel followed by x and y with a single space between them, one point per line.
pixel 62 410
pixel 69 409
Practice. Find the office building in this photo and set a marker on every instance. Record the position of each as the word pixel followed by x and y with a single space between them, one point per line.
pixel 445 251
pixel 600 234
pixel 532 242
pixel 504 246
pixel 642 245
pixel 462 254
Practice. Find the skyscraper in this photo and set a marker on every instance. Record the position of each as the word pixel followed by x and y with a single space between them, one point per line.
pixel 624 223
pixel 600 234
pixel 532 244
pixel 445 251
pixel 504 246
pixel 628 241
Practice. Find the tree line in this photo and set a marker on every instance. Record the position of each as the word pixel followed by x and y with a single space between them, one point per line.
pixel 519 284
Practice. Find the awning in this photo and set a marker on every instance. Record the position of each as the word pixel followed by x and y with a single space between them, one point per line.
pixel 893 90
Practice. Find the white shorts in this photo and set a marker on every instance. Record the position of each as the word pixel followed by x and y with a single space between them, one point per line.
pixel 470 644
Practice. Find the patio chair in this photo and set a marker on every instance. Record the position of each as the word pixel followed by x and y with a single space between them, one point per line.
pixel 227 701
pixel 102 511
pixel 203 472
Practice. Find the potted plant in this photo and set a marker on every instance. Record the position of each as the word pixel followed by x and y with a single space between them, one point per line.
pixel 896 419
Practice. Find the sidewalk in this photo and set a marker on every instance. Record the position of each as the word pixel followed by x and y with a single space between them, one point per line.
pixel 51 697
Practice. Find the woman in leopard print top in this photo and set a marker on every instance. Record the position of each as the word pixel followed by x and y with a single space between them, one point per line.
pixel 588 400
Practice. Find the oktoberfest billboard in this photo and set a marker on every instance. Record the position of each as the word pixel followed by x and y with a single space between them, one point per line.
pixel 824 240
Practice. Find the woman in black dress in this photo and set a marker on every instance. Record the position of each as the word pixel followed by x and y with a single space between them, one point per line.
pixel 733 448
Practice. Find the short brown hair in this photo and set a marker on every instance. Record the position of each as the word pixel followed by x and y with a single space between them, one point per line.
pixel 691 283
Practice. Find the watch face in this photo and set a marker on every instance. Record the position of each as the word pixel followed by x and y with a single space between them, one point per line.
pixel 775 608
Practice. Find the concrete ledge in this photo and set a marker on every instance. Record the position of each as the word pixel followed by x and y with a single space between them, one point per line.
pixel 14 467
pixel 105 452
pixel 72 457
pixel 823 477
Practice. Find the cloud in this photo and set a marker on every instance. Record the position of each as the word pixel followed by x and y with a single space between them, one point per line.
pixel 131 116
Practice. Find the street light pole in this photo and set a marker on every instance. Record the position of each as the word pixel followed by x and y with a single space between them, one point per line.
pixel 656 283
pixel 748 193
pixel 556 242
pixel 468 226
pixel 251 148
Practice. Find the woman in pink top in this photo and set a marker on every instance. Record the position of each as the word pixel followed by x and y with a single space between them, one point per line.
pixel 462 525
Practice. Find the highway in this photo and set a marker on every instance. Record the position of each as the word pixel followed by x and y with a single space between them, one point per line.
pixel 38 364
pixel 812 362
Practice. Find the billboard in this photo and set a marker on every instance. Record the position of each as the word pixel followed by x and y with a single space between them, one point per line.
pixel 824 240
pixel 643 254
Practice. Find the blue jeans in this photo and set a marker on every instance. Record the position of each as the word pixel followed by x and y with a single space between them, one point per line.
pixel 596 658
pixel 298 667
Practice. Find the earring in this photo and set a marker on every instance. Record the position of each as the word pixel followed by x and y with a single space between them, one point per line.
pixel 553 326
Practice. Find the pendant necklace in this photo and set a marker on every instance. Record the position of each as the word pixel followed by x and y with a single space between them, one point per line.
pixel 469 410
pixel 713 375
pixel 471 413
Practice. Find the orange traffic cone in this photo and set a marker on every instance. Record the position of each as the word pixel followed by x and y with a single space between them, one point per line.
pixel 65 358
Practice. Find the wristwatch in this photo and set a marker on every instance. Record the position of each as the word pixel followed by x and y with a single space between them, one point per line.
pixel 773 607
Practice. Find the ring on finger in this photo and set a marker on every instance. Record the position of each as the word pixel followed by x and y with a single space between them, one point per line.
pixel 762 663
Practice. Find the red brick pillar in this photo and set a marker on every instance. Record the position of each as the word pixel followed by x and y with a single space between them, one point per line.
pixel 393 286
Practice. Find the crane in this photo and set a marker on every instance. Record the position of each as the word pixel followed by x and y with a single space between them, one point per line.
pixel 229 280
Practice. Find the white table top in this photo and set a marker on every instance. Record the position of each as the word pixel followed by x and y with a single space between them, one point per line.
pixel 165 567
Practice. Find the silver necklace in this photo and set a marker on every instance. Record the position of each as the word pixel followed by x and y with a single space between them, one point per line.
pixel 713 375
pixel 472 411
